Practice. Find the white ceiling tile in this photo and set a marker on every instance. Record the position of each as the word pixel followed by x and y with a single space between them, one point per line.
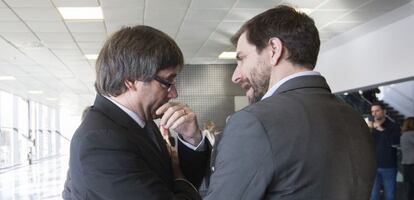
pixel 340 27
pixel 54 37
pixel 206 14
pixel 212 49
pixel 204 29
pixel 86 27
pixel 7 15
pixel 2 5
pixel 90 45
pixel 89 37
pixel 29 3
pixel 242 14
pixel 384 5
pixel 62 45
pixel 42 56
pixel 229 28
pixel 123 13
pixel 38 14
pixel 221 36
pixel 304 3
pixel 164 14
pixel 170 4
pixel 67 52
pixel 263 4
pixel 323 17
pixel 219 4
pixel 168 27
pixel 342 5
pixel 47 26
pixel 76 3
pixel 90 51
pixel 12 27
pixel 114 25
pixel 125 3
pixel 20 39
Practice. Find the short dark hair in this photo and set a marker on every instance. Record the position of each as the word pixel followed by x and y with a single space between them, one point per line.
pixel 296 30
pixel 381 105
pixel 134 53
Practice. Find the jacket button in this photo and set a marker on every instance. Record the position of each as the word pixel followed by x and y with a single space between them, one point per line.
pixel 212 168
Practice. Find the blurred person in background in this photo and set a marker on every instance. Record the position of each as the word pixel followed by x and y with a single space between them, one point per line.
pixel 407 149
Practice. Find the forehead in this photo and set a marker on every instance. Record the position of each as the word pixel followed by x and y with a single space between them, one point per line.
pixel 243 46
pixel 170 72
pixel 376 108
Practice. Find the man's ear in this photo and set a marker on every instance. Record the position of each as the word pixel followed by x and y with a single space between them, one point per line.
pixel 130 84
pixel 276 47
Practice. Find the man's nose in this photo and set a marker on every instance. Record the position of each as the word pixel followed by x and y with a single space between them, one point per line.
pixel 173 93
pixel 236 75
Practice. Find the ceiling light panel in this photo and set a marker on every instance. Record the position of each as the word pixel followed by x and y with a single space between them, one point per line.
pixel 81 13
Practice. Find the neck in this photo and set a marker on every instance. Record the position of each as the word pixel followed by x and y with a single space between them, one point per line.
pixel 381 121
pixel 283 70
pixel 126 100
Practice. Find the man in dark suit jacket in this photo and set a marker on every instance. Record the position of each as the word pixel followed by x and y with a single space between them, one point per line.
pixel 296 140
pixel 118 152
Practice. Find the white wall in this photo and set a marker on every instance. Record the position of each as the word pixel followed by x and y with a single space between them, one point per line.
pixel 381 50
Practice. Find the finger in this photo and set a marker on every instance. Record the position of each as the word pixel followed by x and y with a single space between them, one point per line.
pixel 161 110
pixel 169 112
pixel 174 117
pixel 182 120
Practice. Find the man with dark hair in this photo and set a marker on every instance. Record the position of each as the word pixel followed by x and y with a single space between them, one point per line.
pixel 387 134
pixel 118 152
pixel 296 140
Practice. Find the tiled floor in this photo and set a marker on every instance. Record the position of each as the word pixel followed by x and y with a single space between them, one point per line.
pixel 42 180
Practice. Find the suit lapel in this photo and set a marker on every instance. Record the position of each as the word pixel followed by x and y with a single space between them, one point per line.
pixel 136 134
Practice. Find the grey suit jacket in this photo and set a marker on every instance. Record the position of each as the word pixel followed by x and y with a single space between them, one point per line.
pixel 302 143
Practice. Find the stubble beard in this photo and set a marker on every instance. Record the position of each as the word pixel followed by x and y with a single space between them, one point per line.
pixel 260 77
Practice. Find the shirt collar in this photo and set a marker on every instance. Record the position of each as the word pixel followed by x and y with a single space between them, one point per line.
pixel 284 80
pixel 132 114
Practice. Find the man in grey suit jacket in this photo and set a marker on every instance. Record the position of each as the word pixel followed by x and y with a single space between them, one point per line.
pixel 296 140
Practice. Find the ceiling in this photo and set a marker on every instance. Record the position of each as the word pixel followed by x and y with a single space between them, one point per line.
pixel 46 53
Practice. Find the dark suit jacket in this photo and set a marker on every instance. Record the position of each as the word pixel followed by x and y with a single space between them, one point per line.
pixel 302 143
pixel 112 157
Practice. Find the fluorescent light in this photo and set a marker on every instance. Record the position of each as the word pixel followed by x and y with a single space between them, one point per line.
pixel 228 55
pixel 73 13
pixel 35 92
pixel 92 56
pixel 7 78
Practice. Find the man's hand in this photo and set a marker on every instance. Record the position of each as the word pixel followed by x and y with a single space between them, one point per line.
pixel 181 119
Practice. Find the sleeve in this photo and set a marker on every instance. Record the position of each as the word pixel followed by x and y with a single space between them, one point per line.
pixel 112 169
pixel 194 164
pixel 243 167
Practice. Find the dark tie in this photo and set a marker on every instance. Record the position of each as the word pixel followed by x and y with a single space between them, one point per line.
pixel 152 130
